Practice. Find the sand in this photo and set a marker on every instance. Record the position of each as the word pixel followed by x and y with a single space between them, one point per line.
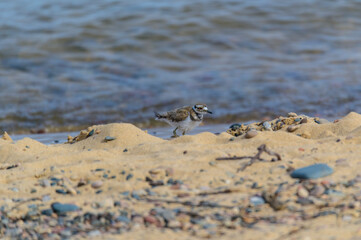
pixel 135 155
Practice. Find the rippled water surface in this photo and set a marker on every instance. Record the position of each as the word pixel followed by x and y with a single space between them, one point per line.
pixel 75 63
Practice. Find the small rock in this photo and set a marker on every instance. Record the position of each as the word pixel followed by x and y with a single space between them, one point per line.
pixel 304 201
pixel 235 126
pixel 323 121
pixel 151 220
pixel 108 139
pixel 292 128
pixel 298 119
pixel 255 200
pixel 212 163
pixel 292 114
pixel 61 191
pixel 304 120
pixel 60 208
pixel 129 176
pixel 251 134
pixel 97 184
pixel 332 192
pixel 267 126
pixel 47 212
pixel 317 191
pixel 124 219
pixel 312 172
pixel 302 192
pixel 91 133
pixel 174 224
pixel 94 233
pixel 14 189
pixel 65 233
pixel 342 162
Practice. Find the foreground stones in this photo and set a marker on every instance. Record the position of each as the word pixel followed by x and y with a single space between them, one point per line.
pixel 291 123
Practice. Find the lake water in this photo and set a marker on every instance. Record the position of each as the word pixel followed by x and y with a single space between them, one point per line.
pixel 66 64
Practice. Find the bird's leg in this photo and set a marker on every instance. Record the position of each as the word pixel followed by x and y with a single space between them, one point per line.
pixel 175 133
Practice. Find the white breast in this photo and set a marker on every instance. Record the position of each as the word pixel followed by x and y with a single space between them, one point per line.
pixel 188 124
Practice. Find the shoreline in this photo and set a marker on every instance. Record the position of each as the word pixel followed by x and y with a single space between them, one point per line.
pixel 121 181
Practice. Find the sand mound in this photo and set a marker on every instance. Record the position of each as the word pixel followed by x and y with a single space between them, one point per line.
pixel 121 169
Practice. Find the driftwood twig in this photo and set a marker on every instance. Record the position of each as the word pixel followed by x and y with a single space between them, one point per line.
pixel 255 158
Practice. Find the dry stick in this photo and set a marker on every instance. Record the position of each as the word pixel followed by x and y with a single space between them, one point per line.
pixel 7 167
pixel 255 158
pixel 189 203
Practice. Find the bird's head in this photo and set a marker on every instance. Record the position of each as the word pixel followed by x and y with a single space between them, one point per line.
pixel 201 108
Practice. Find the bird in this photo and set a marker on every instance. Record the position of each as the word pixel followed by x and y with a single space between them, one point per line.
pixel 185 118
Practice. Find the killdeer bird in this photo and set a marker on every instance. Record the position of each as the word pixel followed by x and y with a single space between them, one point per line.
pixel 185 118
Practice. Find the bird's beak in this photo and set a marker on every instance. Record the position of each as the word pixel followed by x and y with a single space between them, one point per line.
pixel 209 112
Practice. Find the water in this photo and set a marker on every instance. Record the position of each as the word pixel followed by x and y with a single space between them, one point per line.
pixel 66 64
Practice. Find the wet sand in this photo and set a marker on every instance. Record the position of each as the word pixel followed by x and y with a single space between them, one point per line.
pixel 122 182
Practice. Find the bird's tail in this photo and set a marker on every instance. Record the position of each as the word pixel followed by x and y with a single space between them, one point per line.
pixel 159 116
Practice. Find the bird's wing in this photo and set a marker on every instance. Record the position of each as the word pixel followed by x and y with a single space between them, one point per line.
pixel 179 114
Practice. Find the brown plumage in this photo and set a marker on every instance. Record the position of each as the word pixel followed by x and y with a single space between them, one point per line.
pixel 185 118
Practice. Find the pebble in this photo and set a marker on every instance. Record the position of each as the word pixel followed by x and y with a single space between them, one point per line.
pixel 61 191
pixel 108 139
pixel 235 126
pixel 129 176
pixel 332 192
pixel 14 189
pixel 292 128
pixel 323 121
pixel 60 208
pixel 267 126
pixel 304 120
pixel 312 171
pixel 256 200
pixel 342 162
pixel 292 114
pixel 212 163
pixel 44 183
pixel 47 212
pixel 174 224
pixel 304 201
pixel 124 219
pixel 251 134
pixel 317 191
pixel 97 184
pixel 94 233
pixel 151 220
pixel 302 192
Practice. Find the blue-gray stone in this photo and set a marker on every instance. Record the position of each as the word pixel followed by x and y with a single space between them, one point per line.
pixel 63 208
pixel 108 139
pixel 47 212
pixel 312 172
pixel 255 200
pixel 130 175
pixel 123 219
pixel 235 126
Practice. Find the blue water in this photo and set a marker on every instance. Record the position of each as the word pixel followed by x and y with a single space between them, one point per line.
pixel 66 64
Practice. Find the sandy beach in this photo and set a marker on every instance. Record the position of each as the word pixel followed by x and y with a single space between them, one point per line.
pixel 116 181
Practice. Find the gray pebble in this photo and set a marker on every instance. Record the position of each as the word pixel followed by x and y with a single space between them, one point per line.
pixel 97 184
